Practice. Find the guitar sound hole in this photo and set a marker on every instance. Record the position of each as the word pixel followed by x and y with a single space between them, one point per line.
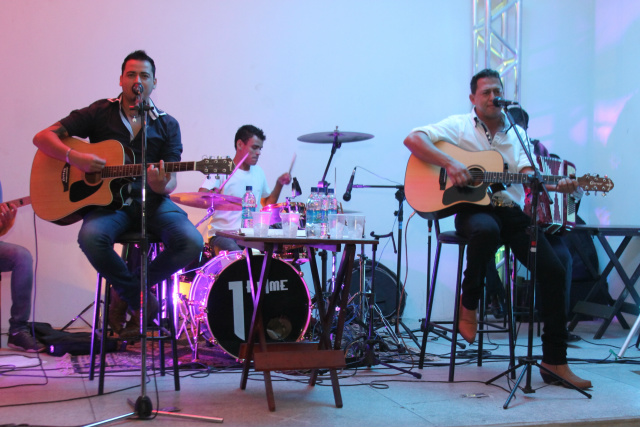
pixel 476 174
pixel 92 178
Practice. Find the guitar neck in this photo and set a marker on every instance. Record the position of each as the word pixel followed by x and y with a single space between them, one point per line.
pixel 514 178
pixel 128 170
pixel 22 201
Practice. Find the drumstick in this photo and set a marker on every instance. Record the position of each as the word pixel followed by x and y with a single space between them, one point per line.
pixel 234 171
pixel 292 162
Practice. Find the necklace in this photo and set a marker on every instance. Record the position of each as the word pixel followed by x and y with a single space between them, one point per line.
pixel 135 119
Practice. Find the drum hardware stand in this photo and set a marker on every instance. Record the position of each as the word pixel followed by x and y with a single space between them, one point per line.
pixel 143 408
pixel 370 358
pixel 400 197
pixel 537 186
pixel 365 296
pixel 79 316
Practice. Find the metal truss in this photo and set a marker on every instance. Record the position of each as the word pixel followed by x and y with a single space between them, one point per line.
pixel 497 34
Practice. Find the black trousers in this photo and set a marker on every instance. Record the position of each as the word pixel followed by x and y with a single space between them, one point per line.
pixel 489 228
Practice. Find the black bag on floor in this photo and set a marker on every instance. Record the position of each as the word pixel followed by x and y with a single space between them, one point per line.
pixel 61 342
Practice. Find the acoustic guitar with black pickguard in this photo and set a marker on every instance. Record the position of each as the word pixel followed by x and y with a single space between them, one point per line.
pixel 62 194
pixel 428 189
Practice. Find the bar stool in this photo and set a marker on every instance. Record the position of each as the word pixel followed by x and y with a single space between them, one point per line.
pixel 164 294
pixel 484 326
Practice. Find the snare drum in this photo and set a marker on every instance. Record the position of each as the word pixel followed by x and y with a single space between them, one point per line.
pixel 221 299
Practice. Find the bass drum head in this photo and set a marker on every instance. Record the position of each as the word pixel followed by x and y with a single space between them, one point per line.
pixel 286 305
pixel 199 291
pixel 386 287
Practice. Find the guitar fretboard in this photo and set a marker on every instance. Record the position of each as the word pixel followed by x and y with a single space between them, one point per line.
pixel 510 178
pixel 122 171
pixel 23 201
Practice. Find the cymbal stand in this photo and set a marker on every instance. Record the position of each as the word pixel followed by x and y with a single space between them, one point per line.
pixel 370 358
pixel 537 186
pixel 334 147
pixel 400 197
pixel 363 296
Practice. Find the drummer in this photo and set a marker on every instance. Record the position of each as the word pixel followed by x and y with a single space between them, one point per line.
pixel 248 141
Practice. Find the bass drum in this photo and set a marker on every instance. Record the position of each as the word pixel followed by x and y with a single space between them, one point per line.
pixel 221 299
pixel 386 287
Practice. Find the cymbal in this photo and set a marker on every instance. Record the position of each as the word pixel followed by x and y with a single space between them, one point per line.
pixel 330 137
pixel 202 200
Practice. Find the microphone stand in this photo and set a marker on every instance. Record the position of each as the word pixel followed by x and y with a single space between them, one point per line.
pixel 537 186
pixel 143 408
pixel 400 197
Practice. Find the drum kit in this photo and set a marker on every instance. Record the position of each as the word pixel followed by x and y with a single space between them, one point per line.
pixel 216 298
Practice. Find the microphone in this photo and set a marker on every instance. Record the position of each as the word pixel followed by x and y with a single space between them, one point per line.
pixel 499 102
pixel 137 89
pixel 347 194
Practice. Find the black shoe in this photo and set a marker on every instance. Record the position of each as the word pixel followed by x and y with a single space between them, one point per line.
pixel 496 307
pixel 23 341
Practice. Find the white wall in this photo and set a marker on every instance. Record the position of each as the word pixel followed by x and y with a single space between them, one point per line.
pixel 294 68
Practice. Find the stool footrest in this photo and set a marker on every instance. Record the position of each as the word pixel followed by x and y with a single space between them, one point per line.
pixel 294 355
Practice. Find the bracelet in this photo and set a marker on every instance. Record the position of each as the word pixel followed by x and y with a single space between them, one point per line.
pixel 67 156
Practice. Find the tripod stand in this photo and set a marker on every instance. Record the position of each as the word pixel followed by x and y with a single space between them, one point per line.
pixel 400 197
pixel 537 186
pixel 370 341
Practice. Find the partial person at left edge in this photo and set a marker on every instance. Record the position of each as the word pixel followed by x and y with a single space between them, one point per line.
pixel 17 260
pixel 114 119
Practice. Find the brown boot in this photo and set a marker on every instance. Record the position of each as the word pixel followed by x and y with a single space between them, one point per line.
pixel 564 372
pixel 131 331
pixel 117 312
pixel 467 323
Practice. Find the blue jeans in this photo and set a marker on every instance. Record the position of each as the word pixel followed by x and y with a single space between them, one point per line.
pixel 101 227
pixel 486 230
pixel 18 261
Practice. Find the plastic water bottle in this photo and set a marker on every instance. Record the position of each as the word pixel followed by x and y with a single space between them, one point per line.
pixel 323 216
pixel 332 202
pixel 312 213
pixel 248 206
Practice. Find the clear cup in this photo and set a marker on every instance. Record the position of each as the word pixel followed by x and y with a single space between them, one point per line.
pixel 290 223
pixel 359 226
pixel 261 222
pixel 336 224
pixel 355 226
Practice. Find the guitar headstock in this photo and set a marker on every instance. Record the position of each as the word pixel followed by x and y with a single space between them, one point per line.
pixel 217 165
pixel 595 183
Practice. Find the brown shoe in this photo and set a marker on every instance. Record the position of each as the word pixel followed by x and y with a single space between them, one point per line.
pixel 467 323
pixel 117 312
pixel 564 372
pixel 132 329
